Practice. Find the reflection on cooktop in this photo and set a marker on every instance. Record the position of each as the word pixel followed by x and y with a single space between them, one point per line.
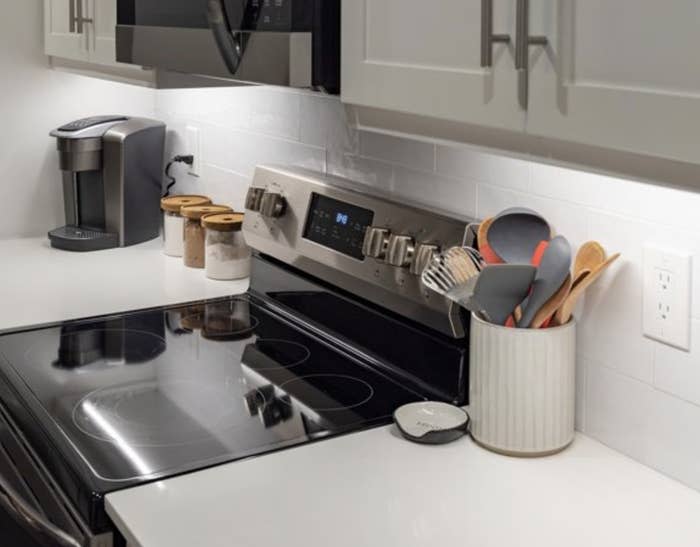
pixel 105 347
pixel 166 391
pixel 226 320
pixel 158 413
pixel 328 392
pixel 281 353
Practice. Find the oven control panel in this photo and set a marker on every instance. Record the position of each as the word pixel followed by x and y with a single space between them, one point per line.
pixel 372 245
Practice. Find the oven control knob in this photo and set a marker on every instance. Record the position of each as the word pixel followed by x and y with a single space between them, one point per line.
pixel 253 198
pixel 375 242
pixel 400 250
pixel 423 256
pixel 272 204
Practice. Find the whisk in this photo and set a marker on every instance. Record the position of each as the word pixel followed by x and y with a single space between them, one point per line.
pixel 453 273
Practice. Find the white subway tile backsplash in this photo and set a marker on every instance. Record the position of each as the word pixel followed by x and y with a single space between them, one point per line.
pixel 464 162
pixel 324 122
pixel 580 415
pixel 672 207
pixel 456 196
pixel 677 372
pixel 374 173
pixel 492 199
pixel 223 186
pixel 241 152
pixel 601 192
pixel 611 329
pixel 634 394
pixel 276 113
pixel 409 153
pixel 648 425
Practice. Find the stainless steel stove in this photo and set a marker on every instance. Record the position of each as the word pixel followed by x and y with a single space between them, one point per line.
pixel 335 333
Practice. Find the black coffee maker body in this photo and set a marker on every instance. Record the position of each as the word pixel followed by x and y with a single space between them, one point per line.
pixel 112 182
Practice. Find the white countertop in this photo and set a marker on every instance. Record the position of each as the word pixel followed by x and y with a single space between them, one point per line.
pixel 376 489
pixel 39 284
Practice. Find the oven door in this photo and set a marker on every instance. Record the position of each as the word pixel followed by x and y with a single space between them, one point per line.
pixel 33 512
pixel 287 42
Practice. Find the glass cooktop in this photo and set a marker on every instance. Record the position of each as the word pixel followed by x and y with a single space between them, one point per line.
pixel 150 392
pixel 143 395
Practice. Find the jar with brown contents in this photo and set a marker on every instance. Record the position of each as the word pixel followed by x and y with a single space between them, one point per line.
pixel 174 224
pixel 194 232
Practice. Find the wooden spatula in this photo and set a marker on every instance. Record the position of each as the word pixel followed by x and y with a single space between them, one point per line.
pixel 564 312
pixel 552 305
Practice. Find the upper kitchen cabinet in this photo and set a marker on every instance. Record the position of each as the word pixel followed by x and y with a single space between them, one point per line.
pixel 61 35
pixel 81 30
pixel 425 58
pixel 622 74
pixel 103 37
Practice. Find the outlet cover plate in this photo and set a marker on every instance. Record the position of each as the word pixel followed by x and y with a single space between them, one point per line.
pixel 666 296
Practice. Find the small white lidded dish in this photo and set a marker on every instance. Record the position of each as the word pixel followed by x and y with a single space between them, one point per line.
pixel 431 422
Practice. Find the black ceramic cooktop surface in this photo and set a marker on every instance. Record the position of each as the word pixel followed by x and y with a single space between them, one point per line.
pixel 113 402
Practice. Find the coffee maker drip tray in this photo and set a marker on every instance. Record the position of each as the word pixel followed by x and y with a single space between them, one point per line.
pixel 77 238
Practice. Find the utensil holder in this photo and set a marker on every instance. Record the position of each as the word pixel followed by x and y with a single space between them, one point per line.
pixel 522 389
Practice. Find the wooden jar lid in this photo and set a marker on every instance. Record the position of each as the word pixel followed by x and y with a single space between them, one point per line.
pixel 196 212
pixel 223 222
pixel 173 204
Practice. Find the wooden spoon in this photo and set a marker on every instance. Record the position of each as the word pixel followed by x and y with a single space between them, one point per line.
pixel 482 242
pixel 589 256
pixel 552 305
pixel 564 312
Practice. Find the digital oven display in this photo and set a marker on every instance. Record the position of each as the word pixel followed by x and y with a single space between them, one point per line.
pixel 337 225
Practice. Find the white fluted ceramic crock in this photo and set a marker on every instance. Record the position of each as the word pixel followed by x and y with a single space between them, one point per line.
pixel 522 388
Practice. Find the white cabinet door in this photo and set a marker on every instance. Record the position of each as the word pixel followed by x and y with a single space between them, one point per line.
pixel 423 58
pixel 103 34
pixel 620 74
pixel 61 36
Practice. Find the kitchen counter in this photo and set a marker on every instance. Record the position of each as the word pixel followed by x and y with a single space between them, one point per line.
pixel 375 489
pixel 39 284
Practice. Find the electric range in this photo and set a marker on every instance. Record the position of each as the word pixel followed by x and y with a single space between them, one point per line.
pixel 334 334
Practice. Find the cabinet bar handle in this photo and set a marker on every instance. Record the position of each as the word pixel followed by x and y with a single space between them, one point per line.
pixel 71 16
pixel 523 41
pixel 488 38
pixel 79 19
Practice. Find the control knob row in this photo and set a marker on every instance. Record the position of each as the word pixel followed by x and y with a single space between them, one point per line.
pixel 398 250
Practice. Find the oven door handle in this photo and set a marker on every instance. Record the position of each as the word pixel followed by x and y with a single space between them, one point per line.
pixel 231 44
pixel 29 518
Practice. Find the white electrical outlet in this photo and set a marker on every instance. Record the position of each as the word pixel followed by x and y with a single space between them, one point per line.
pixel 192 144
pixel 666 298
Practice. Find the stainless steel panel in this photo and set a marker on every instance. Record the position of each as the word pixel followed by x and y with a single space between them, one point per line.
pixel 375 280
pixel 132 177
pixel 274 58
pixel 79 154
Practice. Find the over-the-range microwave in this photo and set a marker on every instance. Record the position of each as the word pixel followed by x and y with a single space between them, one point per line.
pixel 279 42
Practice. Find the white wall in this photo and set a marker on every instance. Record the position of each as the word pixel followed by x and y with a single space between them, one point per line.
pixel 634 394
pixel 34 100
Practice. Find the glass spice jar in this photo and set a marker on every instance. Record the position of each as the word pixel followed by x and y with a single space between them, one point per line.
pixel 194 232
pixel 173 223
pixel 227 254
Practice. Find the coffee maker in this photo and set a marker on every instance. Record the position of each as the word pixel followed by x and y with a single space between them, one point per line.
pixel 112 182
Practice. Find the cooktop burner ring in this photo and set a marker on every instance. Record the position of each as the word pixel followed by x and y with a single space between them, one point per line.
pixel 274 343
pixel 76 356
pixel 326 392
pixel 105 421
